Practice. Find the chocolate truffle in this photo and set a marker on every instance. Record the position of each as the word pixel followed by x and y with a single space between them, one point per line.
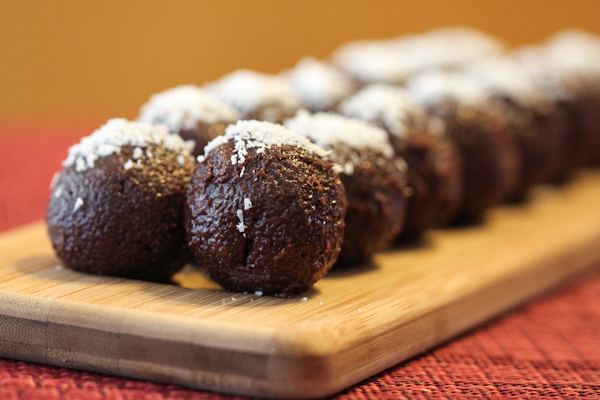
pixel 534 63
pixel 374 179
pixel 574 63
pixel 481 131
pixel 265 211
pixel 191 113
pixel 434 166
pixel 256 95
pixel 543 144
pixel 117 206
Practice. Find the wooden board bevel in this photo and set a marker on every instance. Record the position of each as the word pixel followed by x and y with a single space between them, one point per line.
pixel 351 325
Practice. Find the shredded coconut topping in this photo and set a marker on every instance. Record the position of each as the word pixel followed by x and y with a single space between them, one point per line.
pixel 258 293
pixel 247 91
pixel 328 129
pixel 260 135
pixel 503 76
pixel 182 107
pixel 318 84
pixel 240 226
pixel 128 165
pixel 115 134
pixel 391 105
pixel 453 46
pixel 574 52
pixel 78 203
pixel 435 86
pixel 382 61
pixel 247 204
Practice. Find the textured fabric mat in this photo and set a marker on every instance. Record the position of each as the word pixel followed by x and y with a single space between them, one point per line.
pixel 549 348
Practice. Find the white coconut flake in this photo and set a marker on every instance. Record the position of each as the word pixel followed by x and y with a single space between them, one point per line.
pixel 181 159
pixel 574 53
pixel 118 132
pixel 247 91
pixel 137 153
pixel 240 226
pixel 78 203
pixel 260 135
pixel 258 293
pixel 383 61
pixel 128 165
pixel 243 169
pixel 149 154
pixel 200 158
pixel 182 107
pixel 247 204
pixel 432 87
pixel 389 104
pixel 319 85
pixel 453 46
pixel 58 192
pixel 504 76
pixel 305 299
pixel 328 129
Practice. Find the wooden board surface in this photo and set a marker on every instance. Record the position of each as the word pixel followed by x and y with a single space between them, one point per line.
pixel 351 325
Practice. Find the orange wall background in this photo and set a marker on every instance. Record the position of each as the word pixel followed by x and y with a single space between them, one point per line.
pixel 93 59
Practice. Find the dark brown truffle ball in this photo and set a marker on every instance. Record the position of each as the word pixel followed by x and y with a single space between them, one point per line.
pixel 264 211
pixel 480 129
pixel 491 157
pixel 376 203
pixel 536 123
pixel 122 214
pixel 435 176
pixel 374 179
pixel 434 166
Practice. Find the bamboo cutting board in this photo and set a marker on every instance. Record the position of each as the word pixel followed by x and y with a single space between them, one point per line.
pixel 351 325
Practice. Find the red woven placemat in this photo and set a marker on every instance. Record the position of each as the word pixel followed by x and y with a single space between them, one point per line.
pixel 550 348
